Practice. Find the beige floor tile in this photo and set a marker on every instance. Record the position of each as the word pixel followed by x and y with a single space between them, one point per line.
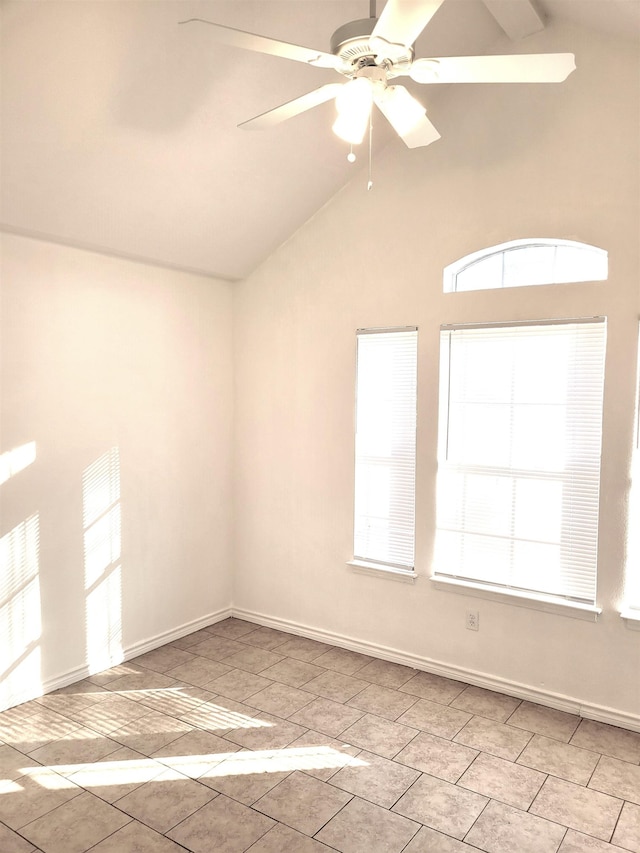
pixel 425 685
pixel 273 733
pixel 232 628
pixel 281 700
pixel 13 763
pixel 336 686
pixel 302 802
pixel 293 672
pixel 559 759
pixel 324 715
pixel 437 756
pixel 111 713
pixel 135 837
pixel 166 800
pixel 266 638
pixel 609 740
pixel 190 640
pixel 627 832
pixel 321 756
pixel 216 648
pixel 495 738
pixel 175 701
pixel 163 659
pixel 386 673
pixel 107 676
pixel 486 703
pixel 544 721
pixel 302 648
pixel 11 842
pixel 194 753
pixel 441 805
pixel 253 659
pixel 429 841
pixel 221 715
pixel 75 826
pixel 77 747
pixel 577 807
pixel 247 775
pixel 199 671
pixel 119 774
pixel 362 827
pixel 503 829
pixel 577 842
pixel 283 839
pixel 238 684
pixel 383 701
pixel 378 735
pixel 437 719
pixel 66 703
pixel 502 780
pixel 343 660
pixel 223 826
pixel 617 778
pixel 376 779
pixel 143 680
pixel 151 732
pixel 28 797
pixel 35 730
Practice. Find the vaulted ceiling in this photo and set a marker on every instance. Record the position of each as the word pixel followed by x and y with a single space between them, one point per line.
pixel 119 127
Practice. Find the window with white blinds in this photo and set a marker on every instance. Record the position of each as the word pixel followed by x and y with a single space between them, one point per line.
pixel 385 450
pixel 519 457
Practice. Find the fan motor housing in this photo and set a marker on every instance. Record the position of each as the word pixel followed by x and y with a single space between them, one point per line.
pixel 354 44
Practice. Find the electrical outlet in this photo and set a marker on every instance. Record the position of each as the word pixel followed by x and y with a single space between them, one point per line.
pixel 473 620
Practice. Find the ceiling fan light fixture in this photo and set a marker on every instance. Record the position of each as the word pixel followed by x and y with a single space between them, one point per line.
pixel 402 109
pixel 353 103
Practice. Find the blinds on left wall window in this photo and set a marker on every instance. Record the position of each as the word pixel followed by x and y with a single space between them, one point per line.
pixel 385 449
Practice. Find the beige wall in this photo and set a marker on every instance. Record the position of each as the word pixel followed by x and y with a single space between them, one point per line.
pixel 546 161
pixel 101 353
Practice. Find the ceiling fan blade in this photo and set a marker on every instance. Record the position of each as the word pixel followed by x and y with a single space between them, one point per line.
pixel 402 21
pixel 293 108
pixel 528 68
pixel 262 44
pixel 407 117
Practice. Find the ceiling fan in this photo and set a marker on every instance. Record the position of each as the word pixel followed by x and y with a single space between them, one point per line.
pixel 371 52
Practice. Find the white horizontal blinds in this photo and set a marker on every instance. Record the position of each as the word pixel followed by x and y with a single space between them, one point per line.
pixel 520 437
pixel 384 524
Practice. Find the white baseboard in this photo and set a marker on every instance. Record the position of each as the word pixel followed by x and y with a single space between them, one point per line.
pixel 560 702
pixel 134 650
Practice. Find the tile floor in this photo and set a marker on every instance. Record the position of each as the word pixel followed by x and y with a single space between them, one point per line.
pixel 242 738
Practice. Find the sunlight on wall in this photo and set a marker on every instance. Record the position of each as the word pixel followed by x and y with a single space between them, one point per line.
pixel 104 773
pixel 102 570
pixel 16 460
pixel 20 617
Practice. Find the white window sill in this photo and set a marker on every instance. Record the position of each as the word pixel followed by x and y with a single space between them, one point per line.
pixel 587 612
pixel 631 619
pixel 403 575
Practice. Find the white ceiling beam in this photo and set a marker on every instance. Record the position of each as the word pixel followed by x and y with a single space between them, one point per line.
pixel 518 18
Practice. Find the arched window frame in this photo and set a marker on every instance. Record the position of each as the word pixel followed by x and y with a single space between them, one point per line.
pixel 453 271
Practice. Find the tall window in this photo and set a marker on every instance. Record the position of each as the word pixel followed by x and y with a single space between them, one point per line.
pixel 385 448
pixel 519 457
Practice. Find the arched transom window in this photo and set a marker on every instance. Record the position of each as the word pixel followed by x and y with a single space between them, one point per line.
pixel 523 263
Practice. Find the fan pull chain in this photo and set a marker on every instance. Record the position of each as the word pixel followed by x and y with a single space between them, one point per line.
pixel 370 181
